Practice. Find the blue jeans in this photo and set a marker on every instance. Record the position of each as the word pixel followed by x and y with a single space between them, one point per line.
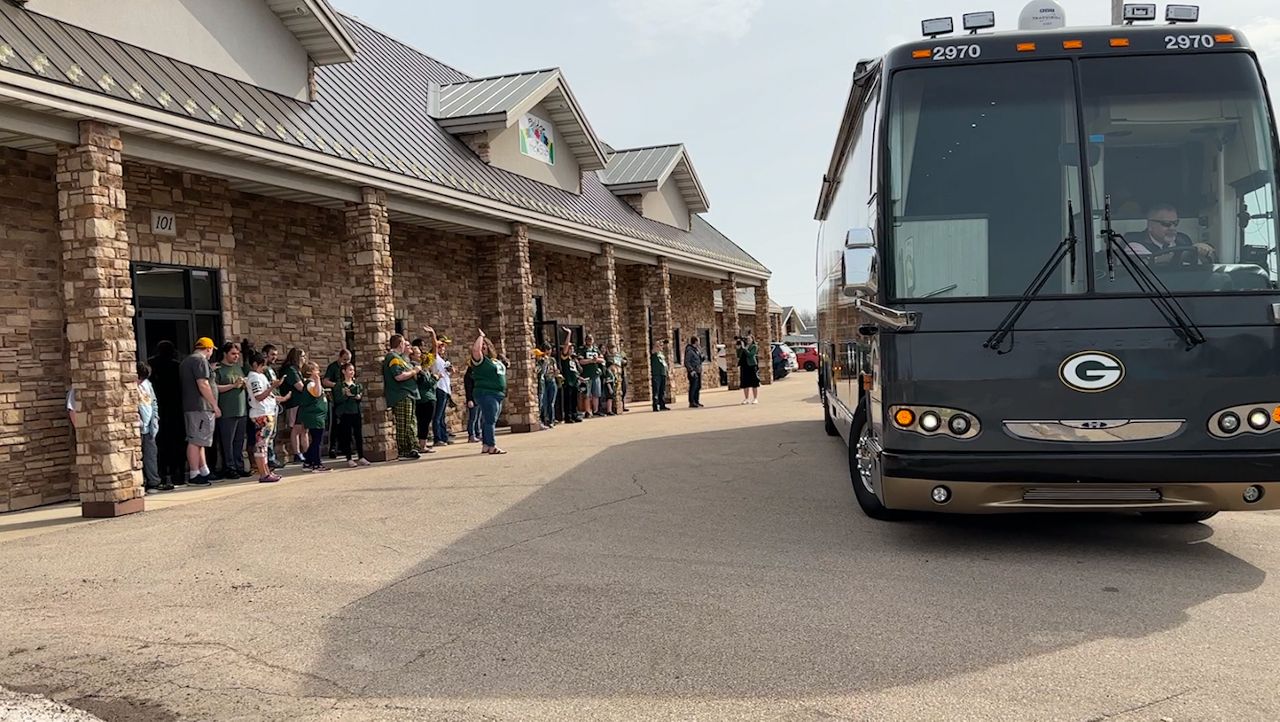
pixel 442 408
pixel 473 421
pixel 490 405
pixel 547 406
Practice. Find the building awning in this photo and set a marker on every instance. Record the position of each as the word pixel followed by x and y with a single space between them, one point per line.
pixel 318 28
pixel 640 170
pixel 496 103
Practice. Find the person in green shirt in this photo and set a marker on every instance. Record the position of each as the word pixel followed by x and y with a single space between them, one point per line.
pixel 490 375
pixel 234 408
pixel 313 414
pixel 658 372
pixel 291 380
pixel 569 371
pixel 332 377
pixel 424 407
pixel 749 369
pixel 349 426
pixel 593 370
pixel 400 378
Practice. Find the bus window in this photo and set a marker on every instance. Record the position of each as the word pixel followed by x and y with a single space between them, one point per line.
pixel 983 161
pixel 1186 156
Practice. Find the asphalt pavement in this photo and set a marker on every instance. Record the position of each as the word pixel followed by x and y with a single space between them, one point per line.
pixel 694 564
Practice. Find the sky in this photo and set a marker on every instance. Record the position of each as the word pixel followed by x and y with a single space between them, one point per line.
pixel 753 88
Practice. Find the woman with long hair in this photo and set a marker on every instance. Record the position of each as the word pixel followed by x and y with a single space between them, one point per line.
pixel 490 375
pixel 292 378
pixel 749 369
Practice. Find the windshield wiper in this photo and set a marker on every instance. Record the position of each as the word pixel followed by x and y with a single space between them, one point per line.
pixel 1148 282
pixel 1066 249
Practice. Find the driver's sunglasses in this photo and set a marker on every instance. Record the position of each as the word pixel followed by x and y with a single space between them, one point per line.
pixel 1166 224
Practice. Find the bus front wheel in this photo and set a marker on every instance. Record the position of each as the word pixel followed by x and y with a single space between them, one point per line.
pixel 864 468
pixel 1178 517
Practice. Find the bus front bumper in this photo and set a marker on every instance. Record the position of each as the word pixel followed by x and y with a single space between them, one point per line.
pixel 992 483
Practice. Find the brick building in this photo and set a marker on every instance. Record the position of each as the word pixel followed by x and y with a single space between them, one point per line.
pixel 277 171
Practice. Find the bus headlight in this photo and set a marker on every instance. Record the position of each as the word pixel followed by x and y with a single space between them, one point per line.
pixel 1256 418
pixel 935 421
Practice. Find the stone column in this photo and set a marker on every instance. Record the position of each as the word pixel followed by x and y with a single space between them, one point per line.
pixel 660 301
pixel 639 382
pixel 763 333
pixel 729 328
pixel 515 311
pixel 97 296
pixel 489 272
pixel 607 289
pixel 372 313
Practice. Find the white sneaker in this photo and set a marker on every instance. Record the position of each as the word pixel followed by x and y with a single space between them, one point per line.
pixel 363 461
pixel 352 463
pixel 745 402
pixel 755 401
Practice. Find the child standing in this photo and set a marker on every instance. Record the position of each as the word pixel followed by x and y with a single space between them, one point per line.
pixel 473 411
pixel 262 416
pixel 347 395
pixel 312 414
pixel 149 425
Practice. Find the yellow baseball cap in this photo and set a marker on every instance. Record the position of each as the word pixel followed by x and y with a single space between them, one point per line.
pixel 204 342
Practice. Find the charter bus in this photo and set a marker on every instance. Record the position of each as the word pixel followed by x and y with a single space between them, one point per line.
pixel 1048 276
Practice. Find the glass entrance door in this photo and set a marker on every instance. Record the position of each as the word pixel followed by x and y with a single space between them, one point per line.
pixel 175 304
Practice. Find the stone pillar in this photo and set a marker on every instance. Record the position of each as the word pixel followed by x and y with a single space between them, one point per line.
pixel 515 311
pixel 489 271
pixel 729 328
pixel 660 302
pixel 607 289
pixel 372 313
pixel 639 382
pixel 763 333
pixel 97 296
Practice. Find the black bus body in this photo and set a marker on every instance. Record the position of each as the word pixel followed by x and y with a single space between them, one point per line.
pixel 1048 275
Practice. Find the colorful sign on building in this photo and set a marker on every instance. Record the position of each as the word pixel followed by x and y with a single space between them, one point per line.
pixel 537 140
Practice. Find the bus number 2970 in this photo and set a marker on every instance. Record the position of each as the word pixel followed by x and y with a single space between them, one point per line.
pixel 1187 42
pixel 956 52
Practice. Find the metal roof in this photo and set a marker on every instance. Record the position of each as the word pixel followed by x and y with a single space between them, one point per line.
pixel 498 102
pixel 639 170
pixel 746 302
pixel 317 27
pixel 371 111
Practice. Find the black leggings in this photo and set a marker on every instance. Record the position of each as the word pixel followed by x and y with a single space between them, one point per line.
pixel 426 412
pixel 349 432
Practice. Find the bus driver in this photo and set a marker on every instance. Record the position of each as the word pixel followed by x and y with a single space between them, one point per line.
pixel 1161 237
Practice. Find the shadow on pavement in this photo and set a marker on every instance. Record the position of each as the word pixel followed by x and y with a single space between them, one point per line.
pixel 735 564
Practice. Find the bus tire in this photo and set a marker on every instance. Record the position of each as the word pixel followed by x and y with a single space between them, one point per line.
pixel 867 498
pixel 1178 517
pixel 828 425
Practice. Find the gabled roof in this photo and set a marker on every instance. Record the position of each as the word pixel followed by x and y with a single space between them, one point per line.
pixel 318 28
pixel 640 170
pixel 368 115
pixel 470 106
pixel 746 302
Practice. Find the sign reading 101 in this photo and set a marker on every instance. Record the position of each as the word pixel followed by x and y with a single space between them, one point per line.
pixel 164 223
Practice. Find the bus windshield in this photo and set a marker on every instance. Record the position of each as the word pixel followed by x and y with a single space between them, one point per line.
pixel 1182 145
pixel 984 160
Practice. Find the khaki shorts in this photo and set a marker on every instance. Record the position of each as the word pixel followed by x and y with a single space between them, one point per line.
pixel 199 428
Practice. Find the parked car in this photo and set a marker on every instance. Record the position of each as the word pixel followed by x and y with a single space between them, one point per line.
pixel 788 354
pixel 781 361
pixel 807 357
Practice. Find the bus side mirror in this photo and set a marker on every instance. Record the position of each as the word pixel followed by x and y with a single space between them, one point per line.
pixel 861 264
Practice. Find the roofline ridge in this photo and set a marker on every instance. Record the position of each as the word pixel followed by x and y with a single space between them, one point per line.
pixel 647 147
pixel 505 75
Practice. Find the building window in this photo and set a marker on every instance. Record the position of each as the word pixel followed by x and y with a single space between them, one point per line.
pixel 576 334
pixel 539 332
pixel 175 304
pixel 705 335
pixel 400 325
pixel 675 341
pixel 349 336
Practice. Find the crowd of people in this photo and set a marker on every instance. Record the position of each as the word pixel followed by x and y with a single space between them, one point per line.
pixel 234 412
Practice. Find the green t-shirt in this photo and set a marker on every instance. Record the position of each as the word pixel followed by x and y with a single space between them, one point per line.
pixel 291 375
pixel 658 365
pixel 490 376
pixel 394 364
pixel 333 373
pixel 344 401
pixel 313 411
pixel 568 369
pixel 591 370
pixel 426 386
pixel 232 402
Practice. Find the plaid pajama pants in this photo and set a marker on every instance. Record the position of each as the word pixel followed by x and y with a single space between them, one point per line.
pixel 406 425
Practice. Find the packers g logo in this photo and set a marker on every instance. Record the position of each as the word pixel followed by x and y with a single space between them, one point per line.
pixel 1091 371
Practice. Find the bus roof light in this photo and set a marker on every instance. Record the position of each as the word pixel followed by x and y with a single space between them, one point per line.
pixel 1072 44
pixel 934 27
pixel 1026 47
pixel 1134 12
pixel 1224 38
pixel 973 22
pixel 1182 14
pixel 1119 42
pixel 921 54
